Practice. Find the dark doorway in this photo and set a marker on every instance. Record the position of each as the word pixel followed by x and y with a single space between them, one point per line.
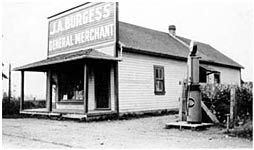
pixel 102 86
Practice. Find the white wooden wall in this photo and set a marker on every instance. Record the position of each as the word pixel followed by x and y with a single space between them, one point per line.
pixel 228 75
pixel 136 82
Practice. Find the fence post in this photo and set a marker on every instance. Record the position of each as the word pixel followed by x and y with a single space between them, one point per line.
pixel 232 104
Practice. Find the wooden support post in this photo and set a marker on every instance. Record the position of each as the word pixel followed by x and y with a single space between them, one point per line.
pixel 116 86
pixel 49 92
pixel 9 97
pixel 228 115
pixel 57 89
pixel 209 113
pixel 232 104
pixel 56 81
pixel 22 92
pixel 85 89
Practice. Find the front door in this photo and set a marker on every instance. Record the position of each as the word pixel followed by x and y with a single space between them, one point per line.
pixel 102 86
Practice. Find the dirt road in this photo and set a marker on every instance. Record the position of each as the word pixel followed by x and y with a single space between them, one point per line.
pixel 147 132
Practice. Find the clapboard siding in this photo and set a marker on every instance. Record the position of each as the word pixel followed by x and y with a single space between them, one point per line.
pixel 136 83
pixel 228 75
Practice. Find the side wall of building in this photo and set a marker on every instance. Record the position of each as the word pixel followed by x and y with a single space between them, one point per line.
pixel 228 75
pixel 136 82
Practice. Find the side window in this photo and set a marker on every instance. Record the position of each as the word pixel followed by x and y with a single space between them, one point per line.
pixel 217 78
pixel 159 80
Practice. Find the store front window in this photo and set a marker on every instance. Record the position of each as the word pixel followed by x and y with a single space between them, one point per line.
pixel 71 85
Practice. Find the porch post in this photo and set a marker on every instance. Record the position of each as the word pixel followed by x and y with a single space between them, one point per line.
pixel 56 80
pixel 57 88
pixel 49 92
pixel 22 92
pixel 85 89
pixel 116 86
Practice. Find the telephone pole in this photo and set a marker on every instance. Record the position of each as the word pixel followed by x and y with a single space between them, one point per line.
pixel 9 82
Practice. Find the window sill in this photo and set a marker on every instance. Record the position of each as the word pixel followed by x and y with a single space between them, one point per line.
pixel 102 109
pixel 77 102
pixel 160 93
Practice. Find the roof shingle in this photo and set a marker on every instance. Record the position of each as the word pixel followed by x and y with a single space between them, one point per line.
pixel 143 39
pixel 82 54
pixel 140 38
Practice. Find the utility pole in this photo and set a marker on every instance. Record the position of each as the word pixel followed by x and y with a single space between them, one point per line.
pixel 9 82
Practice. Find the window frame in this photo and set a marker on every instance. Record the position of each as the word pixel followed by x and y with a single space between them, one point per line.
pixel 161 79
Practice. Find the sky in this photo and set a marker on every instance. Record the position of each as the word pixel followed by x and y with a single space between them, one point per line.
pixel 226 25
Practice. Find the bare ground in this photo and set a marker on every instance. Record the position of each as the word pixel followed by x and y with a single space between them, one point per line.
pixel 147 132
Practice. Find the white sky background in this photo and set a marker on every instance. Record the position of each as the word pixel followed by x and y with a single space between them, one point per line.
pixel 227 26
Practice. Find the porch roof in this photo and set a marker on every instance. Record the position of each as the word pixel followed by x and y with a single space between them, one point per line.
pixel 82 54
pixel 209 69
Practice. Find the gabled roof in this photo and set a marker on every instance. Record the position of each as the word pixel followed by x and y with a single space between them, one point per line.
pixel 82 54
pixel 143 39
pixel 210 54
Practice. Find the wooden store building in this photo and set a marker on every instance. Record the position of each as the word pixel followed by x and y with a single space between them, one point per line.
pixel 97 65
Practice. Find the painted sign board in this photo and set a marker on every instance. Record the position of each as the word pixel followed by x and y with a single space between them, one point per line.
pixel 92 25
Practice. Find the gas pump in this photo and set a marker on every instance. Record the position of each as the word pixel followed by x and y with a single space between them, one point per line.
pixel 194 114
pixel 190 103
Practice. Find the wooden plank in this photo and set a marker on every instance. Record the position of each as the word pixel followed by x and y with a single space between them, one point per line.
pixel 117 31
pixel 68 111
pixel 85 89
pixel 9 88
pixel 232 104
pixel 49 92
pixel 75 116
pixel 184 124
pixel 42 112
pixel 34 113
pixel 209 113
pixel 22 91
pixel 57 88
pixel 116 86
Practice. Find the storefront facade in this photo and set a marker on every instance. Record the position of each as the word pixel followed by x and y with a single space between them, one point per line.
pixel 97 65
pixel 82 61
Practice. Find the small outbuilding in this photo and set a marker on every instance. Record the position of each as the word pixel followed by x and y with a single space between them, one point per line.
pixel 97 65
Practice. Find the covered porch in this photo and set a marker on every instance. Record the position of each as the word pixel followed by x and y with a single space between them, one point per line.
pixel 82 83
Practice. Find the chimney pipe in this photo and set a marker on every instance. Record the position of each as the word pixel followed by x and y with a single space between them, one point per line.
pixel 172 30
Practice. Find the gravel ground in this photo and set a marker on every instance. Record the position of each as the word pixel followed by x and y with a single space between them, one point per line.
pixel 146 132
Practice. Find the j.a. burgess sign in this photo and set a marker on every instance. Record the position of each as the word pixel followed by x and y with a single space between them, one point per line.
pixel 90 26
